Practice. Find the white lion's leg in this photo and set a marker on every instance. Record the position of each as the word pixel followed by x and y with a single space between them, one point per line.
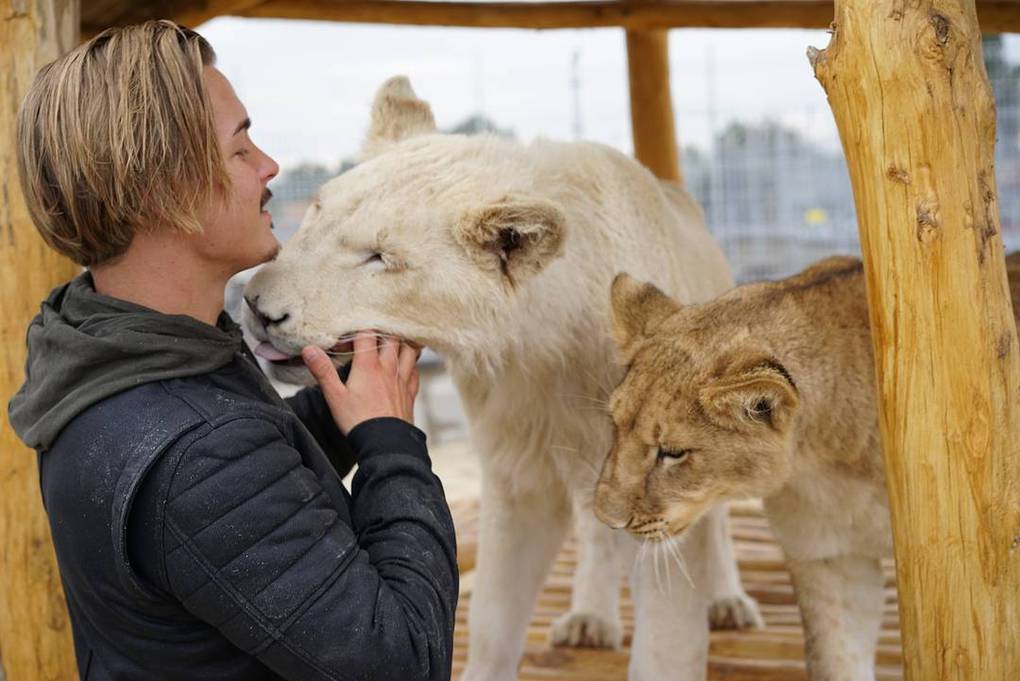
pixel 594 617
pixel 670 628
pixel 519 535
pixel 731 607
pixel 841 603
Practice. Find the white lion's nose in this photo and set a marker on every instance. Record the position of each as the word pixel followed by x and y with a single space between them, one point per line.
pixel 264 318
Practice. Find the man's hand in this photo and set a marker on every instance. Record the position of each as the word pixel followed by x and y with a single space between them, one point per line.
pixel 383 381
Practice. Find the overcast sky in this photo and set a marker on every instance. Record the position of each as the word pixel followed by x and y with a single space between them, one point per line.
pixel 308 85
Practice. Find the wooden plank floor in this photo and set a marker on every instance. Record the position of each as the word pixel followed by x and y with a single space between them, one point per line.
pixel 774 653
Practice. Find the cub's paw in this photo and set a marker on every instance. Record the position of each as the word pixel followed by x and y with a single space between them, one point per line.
pixel 585 630
pixel 735 612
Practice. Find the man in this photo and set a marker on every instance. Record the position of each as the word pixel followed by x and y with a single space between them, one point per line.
pixel 199 521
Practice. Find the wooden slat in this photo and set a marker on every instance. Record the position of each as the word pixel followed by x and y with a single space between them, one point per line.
pixel 771 654
pixel 34 629
pixel 916 116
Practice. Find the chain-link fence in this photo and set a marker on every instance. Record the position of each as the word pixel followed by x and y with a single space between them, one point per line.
pixel 778 201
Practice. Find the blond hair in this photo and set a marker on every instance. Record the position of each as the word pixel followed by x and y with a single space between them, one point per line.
pixel 117 136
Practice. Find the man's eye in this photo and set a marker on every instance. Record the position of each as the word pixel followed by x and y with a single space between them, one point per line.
pixel 673 454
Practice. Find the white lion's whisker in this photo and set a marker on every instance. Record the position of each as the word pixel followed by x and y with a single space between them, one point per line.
pixel 594 468
pixel 595 400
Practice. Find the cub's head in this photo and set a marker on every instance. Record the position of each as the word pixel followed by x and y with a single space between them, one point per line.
pixel 703 415
pixel 429 238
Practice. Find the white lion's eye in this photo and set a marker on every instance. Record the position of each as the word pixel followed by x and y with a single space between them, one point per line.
pixel 375 261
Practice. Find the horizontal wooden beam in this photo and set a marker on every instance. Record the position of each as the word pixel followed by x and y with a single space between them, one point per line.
pixel 212 9
pixel 995 15
pixel 552 15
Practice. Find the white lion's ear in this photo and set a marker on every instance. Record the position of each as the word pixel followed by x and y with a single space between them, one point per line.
pixel 397 114
pixel 516 236
pixel 635 309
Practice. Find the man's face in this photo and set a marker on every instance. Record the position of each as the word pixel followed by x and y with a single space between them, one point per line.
pixel 237 231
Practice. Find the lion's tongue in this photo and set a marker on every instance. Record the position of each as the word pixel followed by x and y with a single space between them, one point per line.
pixel 267 351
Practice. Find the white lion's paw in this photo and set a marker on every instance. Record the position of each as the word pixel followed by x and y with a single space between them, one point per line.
pixel 585 630
pixel 735 612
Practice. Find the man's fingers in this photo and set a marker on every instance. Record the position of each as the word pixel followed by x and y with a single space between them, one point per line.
pixel 389 347
pixel 413 382
pixel 325 374
pixel 408 358
pixel 365 352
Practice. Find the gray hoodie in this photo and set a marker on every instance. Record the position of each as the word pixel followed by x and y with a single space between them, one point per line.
pixel 84 347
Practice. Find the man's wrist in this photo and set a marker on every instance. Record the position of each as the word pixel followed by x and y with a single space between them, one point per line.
pixel 387 434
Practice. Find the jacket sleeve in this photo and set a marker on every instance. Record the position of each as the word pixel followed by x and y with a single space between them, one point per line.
pixel 310 406
pixel 254 546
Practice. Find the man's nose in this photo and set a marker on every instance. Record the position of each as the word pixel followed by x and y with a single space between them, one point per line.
pixel 265 320
pixel 271 168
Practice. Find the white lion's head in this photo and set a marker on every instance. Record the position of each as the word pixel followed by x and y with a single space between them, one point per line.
pixel 430 238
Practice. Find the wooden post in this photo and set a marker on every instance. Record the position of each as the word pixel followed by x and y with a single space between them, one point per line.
pixel 908 88
pixel 35 636
pixel 651 108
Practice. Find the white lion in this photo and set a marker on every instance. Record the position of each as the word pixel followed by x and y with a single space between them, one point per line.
pixel 500 257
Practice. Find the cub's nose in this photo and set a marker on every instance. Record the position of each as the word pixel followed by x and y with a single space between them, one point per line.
pixel 265 319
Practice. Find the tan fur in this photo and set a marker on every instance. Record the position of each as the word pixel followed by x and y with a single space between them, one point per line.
pixel 770 388
pixel 498 255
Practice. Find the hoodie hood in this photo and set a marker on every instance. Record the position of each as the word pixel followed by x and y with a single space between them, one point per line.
pixel 84 347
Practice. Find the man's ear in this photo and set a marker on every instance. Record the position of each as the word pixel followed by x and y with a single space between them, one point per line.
pixel 516 236
pixel 755 393
pixel 397 114
pixel 635 309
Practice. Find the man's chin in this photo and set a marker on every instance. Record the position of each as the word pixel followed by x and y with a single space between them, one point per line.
pixel 271 252
pixel 264 255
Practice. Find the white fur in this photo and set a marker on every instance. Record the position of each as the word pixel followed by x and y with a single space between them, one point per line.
pixel 531 356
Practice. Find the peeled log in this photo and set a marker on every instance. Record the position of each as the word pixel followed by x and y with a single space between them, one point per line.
pixel 35 635
pixel 907 85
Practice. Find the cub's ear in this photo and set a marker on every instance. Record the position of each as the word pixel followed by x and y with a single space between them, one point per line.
pixel 516 236
pixel 397 114
pixel 756 393
pixel 635 309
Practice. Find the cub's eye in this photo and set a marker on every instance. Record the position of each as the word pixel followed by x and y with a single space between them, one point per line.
pixel 673 454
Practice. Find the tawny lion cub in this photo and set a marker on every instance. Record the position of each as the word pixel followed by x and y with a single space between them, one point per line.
pixel 767 391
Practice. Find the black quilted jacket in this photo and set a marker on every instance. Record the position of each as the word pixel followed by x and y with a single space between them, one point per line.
pixel 202 532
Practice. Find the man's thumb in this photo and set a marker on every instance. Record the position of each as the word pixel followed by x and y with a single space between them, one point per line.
pixel 324 372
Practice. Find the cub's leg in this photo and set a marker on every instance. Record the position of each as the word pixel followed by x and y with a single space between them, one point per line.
pixel 519 535
pixel 670 629
pixel 603 555
pixel 841 603
pixel 731 607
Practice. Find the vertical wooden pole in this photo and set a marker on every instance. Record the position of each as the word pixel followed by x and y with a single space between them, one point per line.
pixel 651 108
pixel 908 88
pixel 35 636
